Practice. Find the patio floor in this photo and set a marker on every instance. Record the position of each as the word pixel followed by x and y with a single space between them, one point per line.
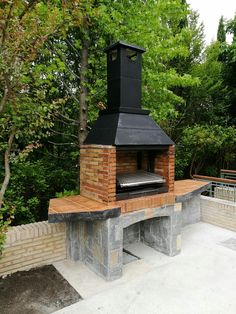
pixel 201 280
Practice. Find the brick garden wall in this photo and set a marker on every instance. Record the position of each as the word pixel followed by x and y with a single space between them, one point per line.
pixel 218 212
pixel 33 245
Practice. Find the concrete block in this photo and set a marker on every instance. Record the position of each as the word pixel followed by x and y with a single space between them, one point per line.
pixel 191 211
pixel 178 242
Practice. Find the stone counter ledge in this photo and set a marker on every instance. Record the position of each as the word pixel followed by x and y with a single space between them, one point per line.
pixel 85 216
pixel 190 195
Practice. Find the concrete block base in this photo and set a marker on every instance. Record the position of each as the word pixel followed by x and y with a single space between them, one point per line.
pixel 99 243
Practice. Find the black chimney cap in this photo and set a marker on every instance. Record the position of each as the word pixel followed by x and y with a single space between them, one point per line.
pixel 123 44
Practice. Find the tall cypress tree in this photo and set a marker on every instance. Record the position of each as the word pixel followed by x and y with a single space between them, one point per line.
pixel 221 33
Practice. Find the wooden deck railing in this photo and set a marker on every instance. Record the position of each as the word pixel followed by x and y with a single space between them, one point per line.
pixel 228 174
pixel 214 179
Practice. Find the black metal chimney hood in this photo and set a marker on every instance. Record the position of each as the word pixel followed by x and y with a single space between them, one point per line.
pixel 124 122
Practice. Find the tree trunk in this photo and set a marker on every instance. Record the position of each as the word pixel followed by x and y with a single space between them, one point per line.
pixel 191 166
pixel 83 112
pixel 7 168
pixel 4 99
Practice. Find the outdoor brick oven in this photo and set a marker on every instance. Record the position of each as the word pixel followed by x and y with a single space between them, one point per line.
pixel 126 178
pixel 126 162
pixel 126 154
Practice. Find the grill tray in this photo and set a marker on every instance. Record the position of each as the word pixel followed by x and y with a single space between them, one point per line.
pixel 138 178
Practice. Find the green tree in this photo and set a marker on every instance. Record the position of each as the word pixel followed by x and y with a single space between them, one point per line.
pixel 173 42
pixel 221 32
pixel 228 59
pixel 24 112
pixel 64 85
pixel 206 149
pixel 170 44
pixel 208 101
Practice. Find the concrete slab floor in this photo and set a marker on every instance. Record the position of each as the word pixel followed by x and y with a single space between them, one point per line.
pixel 201 280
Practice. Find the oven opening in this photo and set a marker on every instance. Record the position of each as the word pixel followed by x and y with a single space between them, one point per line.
pixel 137 174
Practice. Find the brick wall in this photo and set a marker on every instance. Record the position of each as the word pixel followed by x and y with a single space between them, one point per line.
pixel 33 245
pixel 100 163
pixel 126 161
pixel 218 212
pixel 98 172
pixel 152 201
pixel 165 166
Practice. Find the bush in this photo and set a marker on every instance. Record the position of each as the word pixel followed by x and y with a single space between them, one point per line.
pixel 5 221
pixel 31 186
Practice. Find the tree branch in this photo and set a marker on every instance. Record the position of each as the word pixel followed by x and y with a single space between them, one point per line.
pixel 60 144
pixel 30 6
pixel 61 57
pixel 4 99
pixel 64 122
pixel 72 46
pixel 4 31
pixel 76 122
pixel 7 167
pixel 69 93
pixel 62 133
pixel 192 164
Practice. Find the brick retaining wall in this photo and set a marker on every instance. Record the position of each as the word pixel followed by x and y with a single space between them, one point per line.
pixel 33 245
pixel 218 212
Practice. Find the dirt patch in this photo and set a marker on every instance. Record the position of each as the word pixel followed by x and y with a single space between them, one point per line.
pixel 37 291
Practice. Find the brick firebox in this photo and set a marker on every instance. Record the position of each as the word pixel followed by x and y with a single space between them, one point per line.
pixel 100 163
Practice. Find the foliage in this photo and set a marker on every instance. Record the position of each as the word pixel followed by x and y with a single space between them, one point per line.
pixel 206 140
pixel 228 59
pixel 168 48
pixel 170 43
pixel 206 146
pixel 6 218
pixel 25 110
pixel 53 83
pixel 221 32
pixel 34 181
pixel 66 193
pixel 173 41
pixel 208 101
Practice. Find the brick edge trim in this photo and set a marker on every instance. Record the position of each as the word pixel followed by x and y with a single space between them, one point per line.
pixel 32 230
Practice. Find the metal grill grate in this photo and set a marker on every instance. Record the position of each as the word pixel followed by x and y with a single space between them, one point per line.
pixel 138 178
